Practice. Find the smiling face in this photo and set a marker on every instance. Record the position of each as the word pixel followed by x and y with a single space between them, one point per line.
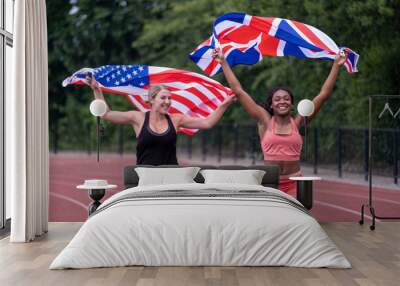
pixel 161 102
pixel 281 102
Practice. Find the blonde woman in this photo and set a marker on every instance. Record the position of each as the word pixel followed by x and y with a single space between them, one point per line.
pixel 156 130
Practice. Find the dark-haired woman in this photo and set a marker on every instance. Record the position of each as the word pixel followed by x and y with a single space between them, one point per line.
pixel 280 140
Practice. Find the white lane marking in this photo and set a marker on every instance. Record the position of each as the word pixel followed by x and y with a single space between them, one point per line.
pixel 343 209
pixel 69 200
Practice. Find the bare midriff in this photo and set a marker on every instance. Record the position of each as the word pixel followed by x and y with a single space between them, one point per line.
pixel 286 167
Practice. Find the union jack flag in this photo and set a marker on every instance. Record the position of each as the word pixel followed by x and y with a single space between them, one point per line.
pixel 192 94
pixel 245 39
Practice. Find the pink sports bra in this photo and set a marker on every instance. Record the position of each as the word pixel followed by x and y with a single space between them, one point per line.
pixel 277 147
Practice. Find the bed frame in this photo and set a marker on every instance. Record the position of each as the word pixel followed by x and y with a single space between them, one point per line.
pixel 270 179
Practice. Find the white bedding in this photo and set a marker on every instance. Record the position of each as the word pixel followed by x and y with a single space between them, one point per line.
pixel 190 230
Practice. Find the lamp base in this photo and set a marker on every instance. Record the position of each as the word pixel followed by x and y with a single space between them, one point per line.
pixel 305 193
pixel 96 195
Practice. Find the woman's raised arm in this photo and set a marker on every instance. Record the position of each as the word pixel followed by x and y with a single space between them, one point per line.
pixel 327 87
pixel 208 122
pixel 251 107
pixel 116 117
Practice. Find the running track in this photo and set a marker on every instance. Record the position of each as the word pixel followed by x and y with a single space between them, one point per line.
pixel 333 200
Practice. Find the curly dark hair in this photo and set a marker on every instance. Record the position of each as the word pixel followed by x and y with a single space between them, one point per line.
pixel 268 103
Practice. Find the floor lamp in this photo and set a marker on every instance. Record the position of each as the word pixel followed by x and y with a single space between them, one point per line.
pixel 98 108
pixel 304 185
pixel 305 108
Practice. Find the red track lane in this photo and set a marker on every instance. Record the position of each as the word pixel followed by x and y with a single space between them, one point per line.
pixel 333 200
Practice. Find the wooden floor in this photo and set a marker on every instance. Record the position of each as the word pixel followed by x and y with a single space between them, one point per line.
pixel 375 256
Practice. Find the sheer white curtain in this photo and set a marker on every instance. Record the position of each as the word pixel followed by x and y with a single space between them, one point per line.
pixel 27 124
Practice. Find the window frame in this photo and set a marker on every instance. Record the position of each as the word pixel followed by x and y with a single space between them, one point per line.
pixel 6 39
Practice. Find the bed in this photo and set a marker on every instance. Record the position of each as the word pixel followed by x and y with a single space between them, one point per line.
pixel 201 224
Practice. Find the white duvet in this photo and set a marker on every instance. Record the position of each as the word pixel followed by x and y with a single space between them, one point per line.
pixel 183 231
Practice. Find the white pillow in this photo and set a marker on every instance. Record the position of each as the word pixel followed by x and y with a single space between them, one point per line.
pixel 163 176
pixel 248 177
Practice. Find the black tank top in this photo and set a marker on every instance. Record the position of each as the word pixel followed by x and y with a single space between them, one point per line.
pixel 156 148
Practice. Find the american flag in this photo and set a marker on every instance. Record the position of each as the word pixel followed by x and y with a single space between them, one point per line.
pixel 245 39
pixel 192 94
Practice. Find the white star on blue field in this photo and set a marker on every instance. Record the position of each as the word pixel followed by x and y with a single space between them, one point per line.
pixel 122 75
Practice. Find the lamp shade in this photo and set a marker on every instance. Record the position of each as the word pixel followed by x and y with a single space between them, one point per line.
pixel 98 107
pixel 305 107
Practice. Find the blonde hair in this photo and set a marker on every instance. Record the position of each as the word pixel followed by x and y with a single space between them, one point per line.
pixel 154 90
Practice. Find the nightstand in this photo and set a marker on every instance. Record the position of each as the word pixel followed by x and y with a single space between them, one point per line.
pixel 96 189
pixel 304 192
